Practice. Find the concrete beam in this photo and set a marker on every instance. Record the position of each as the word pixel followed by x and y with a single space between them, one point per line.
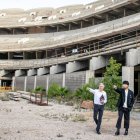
pixel 4 72
pixel 97 63
pixel 42 71
pixel 75 66
pixel 31 72
pixel 20 73
pixel 128 74
pixel 57 69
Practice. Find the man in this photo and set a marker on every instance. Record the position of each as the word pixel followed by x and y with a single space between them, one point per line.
pixel 100 98
pixel 125 104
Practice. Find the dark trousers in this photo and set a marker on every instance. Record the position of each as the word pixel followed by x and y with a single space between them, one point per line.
pixel 98 113
pixel 126 113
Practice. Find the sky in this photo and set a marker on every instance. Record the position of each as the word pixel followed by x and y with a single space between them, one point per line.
pixel 29 4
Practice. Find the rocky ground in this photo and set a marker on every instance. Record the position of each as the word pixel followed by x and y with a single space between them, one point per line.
pixel 24 121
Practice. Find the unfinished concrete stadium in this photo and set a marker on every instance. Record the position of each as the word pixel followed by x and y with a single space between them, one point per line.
pixel 69 45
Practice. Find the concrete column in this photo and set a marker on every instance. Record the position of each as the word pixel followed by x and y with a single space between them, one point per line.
pixel 75 66
pixel 97 63
pixel 138 55
pixel 89 75
pixel 35 82
pixel 47 86
pixel 139 83
pixel 69 26
pixel 10 55
pixel 25 84
pixel 128 74
pixel 57 69
pixel 25 55
pixel 31 72
pixel 64 80
pixel 19 73
pixel 13 83
pixel 42 71
pixel 57 28
pixel 132 57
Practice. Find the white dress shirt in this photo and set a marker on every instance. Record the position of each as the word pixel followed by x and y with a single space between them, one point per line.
pixel 97 96
pixel 126 95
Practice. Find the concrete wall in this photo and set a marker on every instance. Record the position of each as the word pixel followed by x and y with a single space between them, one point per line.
pixel 56 78
pixel 71 80
pixel 75 80
pixel 19 83
pixel 41 81
pixel 30 83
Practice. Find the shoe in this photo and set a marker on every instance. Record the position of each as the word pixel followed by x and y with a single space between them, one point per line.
pixel 98 132
pixel 126 132
pixel 117 133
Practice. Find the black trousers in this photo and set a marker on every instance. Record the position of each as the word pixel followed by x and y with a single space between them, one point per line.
pixel 126 113
pixel 98 113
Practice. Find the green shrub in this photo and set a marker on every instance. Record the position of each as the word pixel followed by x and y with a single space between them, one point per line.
pixel 111 77
pixel 57 91
pixel 39 89
pixel 82 93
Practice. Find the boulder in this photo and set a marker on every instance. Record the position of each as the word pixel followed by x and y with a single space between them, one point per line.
pixel 87 104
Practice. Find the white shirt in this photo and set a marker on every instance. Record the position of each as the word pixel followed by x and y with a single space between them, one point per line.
pixel 97 96
pixel 126 95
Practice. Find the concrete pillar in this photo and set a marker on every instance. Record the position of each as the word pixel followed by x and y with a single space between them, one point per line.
pixel 25 84
pixel 42 71
pixel 75 66
pixel 89 75
pixel 19 73
pixel 64 80
pixel 13 83
pixel 57 69
pixel 138 51
pixel 47 86
pixel 31 72
pixel 132 57
pixel 35 82
pixel 69 26
pixel 139 83
pixel 97 63
pixel 128 74
pixel 0 83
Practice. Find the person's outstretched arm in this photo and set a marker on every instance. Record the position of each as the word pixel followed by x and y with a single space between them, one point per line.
pixel 91 90
pixel 118 90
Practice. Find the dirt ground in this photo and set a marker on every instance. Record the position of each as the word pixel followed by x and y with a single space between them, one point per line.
pixel 24 121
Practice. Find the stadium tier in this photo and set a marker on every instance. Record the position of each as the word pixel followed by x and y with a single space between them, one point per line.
pixel 69 45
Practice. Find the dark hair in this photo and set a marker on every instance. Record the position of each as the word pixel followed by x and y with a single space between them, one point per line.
pixel 126 83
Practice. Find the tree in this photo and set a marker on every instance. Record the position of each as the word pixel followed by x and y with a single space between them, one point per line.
pixel 111 77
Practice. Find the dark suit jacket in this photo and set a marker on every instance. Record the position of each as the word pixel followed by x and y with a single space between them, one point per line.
pixel 130 98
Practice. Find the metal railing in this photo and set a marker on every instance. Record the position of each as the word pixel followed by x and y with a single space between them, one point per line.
pixel 124 43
